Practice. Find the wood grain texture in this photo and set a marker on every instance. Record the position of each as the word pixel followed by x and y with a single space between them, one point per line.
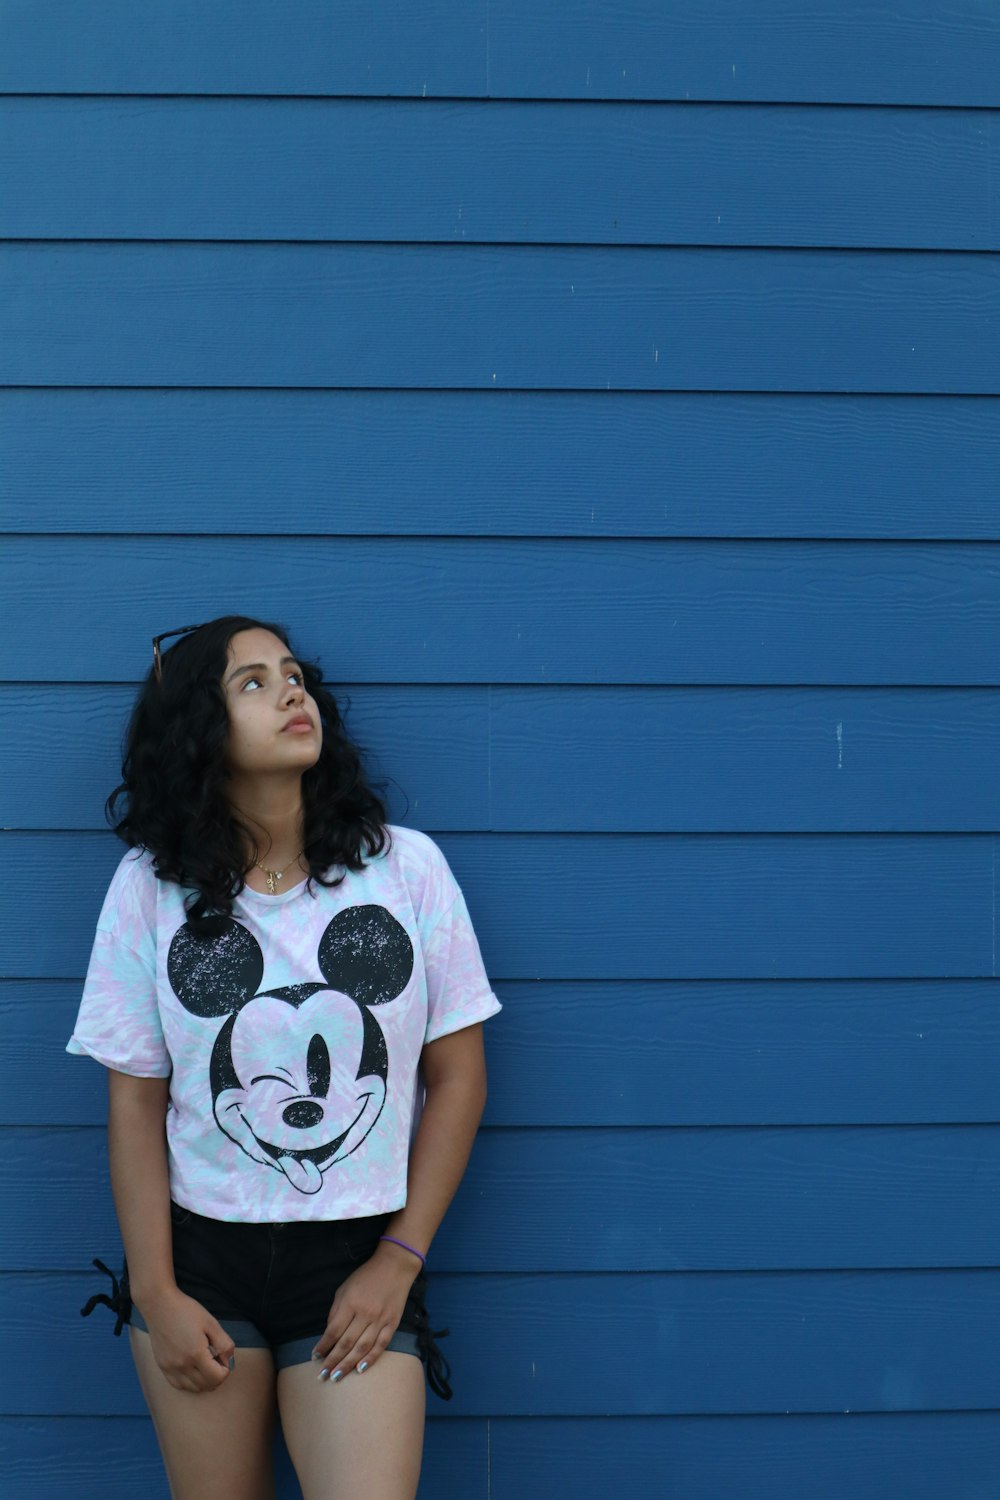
pixel 920 54
pixel 532 759
pixel 493 318
pixel 743 1052
pixel 870 1457
pixel 500 463
pixel 497 610
pixel 353 169
pixel 617 907
pixel 621 1200
pixel 699 1342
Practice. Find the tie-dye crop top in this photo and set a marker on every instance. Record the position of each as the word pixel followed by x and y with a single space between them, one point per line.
pixel 292 1040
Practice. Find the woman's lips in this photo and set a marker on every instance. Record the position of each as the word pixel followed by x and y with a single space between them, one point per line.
pixel 301 725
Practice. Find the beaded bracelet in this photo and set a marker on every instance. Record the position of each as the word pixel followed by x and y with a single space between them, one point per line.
pixel 422 1258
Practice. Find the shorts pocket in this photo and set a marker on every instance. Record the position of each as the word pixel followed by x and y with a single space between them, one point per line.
pixel 179 1216
pixel 360 1237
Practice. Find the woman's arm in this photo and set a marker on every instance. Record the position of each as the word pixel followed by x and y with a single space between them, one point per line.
pixel 368 1306
pixel 191 1348
pixel 454 1069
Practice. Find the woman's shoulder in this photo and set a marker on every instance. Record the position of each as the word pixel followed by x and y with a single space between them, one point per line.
pixel 130 901
pixel 411 846
pixel 416 860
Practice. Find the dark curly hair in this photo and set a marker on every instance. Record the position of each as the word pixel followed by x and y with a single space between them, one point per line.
pixel 173 780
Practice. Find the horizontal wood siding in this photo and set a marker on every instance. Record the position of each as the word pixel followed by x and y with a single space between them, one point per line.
pixel 608 396
pixel 502 463
pixel 924 53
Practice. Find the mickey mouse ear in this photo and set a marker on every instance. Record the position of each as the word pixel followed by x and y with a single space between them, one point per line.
pixel 365 953
pixel 215 976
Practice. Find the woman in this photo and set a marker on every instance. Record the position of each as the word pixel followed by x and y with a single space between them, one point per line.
pixel 287 994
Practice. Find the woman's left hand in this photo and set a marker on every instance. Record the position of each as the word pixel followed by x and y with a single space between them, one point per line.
pixel 366 1312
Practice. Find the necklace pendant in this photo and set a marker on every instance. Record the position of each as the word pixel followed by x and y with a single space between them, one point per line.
pixel 272 880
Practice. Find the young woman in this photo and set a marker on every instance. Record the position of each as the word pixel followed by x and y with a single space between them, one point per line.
pixel 287 994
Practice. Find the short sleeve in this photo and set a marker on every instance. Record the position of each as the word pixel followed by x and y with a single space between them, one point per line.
pixel 458 991
pixel 118 1022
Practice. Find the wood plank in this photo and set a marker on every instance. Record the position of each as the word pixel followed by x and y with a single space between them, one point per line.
pixel 572 48
pixel 528 759
pixel 620 907
pixel 743 759
pixel 510 463
pixel 704 1342
pixel 922 1456
pixel 494 318
pixel 570 1201
pixel 409 170
pixel 429 744
pixel 869 1457
pixel 518 611
pixel 838 1052
pixel 259 46
pixel 46 1458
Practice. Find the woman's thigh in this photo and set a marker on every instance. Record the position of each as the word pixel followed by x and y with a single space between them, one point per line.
pixel 360 1438
pixel 213 1442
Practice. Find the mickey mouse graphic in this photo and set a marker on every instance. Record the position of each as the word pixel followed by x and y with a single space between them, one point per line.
pixel 298 1074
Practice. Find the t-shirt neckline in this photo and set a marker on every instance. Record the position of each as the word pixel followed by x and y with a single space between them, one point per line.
pixel 277 900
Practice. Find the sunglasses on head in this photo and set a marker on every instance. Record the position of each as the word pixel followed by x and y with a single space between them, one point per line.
pixel 157 658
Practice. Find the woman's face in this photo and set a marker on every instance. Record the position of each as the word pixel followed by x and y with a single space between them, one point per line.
pixel 273 723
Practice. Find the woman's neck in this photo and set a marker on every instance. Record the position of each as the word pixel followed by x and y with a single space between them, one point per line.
pixel 272 813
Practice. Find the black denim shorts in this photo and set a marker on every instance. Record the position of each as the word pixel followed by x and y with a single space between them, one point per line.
pixel 271 1285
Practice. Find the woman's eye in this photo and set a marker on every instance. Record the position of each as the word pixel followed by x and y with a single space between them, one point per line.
pixel 248 682
pixel 297 676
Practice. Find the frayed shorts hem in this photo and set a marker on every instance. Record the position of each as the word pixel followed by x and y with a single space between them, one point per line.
pixel 294 1351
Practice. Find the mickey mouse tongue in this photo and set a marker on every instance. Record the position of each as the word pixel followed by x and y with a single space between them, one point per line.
pixel 302 1174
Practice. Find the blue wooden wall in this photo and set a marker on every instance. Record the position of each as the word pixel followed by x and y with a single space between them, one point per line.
pixel 607 394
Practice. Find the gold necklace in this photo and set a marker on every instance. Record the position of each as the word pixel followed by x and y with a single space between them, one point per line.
pixel 273 876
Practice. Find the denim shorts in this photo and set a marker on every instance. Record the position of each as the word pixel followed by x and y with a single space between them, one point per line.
pixel 271 1285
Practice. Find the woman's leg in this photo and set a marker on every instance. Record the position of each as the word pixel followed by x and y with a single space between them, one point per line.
pixel 360 1439
pixel 214 1443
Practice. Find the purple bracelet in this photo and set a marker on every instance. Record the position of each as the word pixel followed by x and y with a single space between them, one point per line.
pixel 422 1258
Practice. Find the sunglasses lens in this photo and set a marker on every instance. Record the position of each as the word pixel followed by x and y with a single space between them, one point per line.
pixel 167 634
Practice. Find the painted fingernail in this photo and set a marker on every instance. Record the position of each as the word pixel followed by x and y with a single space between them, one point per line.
pixel 362 1367
pixel 232 1361
pixel 337 1375
pixel 315 1354
pixel 324 1374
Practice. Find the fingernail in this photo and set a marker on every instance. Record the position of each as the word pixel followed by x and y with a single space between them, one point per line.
pixel 232 1361
pixel 315 1354
pixel 362 1367
pixel 337 1375
pixel 324 1374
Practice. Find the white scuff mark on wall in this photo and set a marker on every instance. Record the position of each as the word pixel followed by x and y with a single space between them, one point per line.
pixel 734 70
pixel 656 356
pixel 840 747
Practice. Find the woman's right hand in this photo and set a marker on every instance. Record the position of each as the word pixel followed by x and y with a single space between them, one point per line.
pixel 192 1349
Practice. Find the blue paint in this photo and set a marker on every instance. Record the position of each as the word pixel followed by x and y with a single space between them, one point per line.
pixel 610 401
